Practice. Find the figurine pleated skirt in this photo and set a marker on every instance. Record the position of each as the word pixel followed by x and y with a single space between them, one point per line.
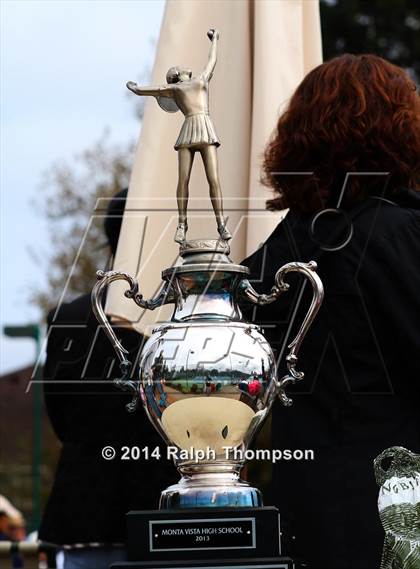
pixel 197 130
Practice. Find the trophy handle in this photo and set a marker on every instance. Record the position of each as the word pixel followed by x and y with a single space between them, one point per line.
pixel 309 271
pixel 104 279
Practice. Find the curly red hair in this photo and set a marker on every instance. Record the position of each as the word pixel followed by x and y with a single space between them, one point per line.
pixel 354 113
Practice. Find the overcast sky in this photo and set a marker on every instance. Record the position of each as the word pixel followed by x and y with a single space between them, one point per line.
pixel 64 64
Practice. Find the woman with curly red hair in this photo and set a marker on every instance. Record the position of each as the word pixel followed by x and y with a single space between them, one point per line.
pixel 353 114
pixel 345 159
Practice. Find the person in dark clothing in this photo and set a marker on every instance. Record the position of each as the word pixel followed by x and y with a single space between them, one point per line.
pixel 91 494
pixel 361 358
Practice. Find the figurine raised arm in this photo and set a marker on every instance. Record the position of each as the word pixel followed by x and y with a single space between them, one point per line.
pixel 191 96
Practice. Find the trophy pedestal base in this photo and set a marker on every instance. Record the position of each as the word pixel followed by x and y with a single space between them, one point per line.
pixel 203 533
pixel 245 563
pixel 205 538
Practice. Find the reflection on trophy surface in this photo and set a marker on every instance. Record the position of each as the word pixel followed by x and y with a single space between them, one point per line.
pixel 208 387
pixel 207 378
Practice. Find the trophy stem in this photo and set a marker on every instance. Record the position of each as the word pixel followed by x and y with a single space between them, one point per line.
pixel 210 490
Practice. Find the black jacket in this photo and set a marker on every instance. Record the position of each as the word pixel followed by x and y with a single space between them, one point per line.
pixel 361 358
pixel 91 495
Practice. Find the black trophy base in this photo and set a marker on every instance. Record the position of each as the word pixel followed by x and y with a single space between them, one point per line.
pixel 203 534
pixel 245 563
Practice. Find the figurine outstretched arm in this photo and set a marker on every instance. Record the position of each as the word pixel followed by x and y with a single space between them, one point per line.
pixel 160 91
pixel 213 35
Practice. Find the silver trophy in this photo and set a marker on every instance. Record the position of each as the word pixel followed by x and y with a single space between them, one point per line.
pixel 207 378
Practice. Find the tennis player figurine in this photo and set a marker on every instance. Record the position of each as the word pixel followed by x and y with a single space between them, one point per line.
pixel 191 96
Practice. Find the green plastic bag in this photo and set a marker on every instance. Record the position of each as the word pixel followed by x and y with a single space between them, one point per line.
pixel 397 472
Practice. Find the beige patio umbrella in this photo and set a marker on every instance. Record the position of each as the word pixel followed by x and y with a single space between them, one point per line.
pixel 265 49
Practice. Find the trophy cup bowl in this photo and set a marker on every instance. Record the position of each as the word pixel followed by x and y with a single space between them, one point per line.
pixel 207 388
pixel 207 379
